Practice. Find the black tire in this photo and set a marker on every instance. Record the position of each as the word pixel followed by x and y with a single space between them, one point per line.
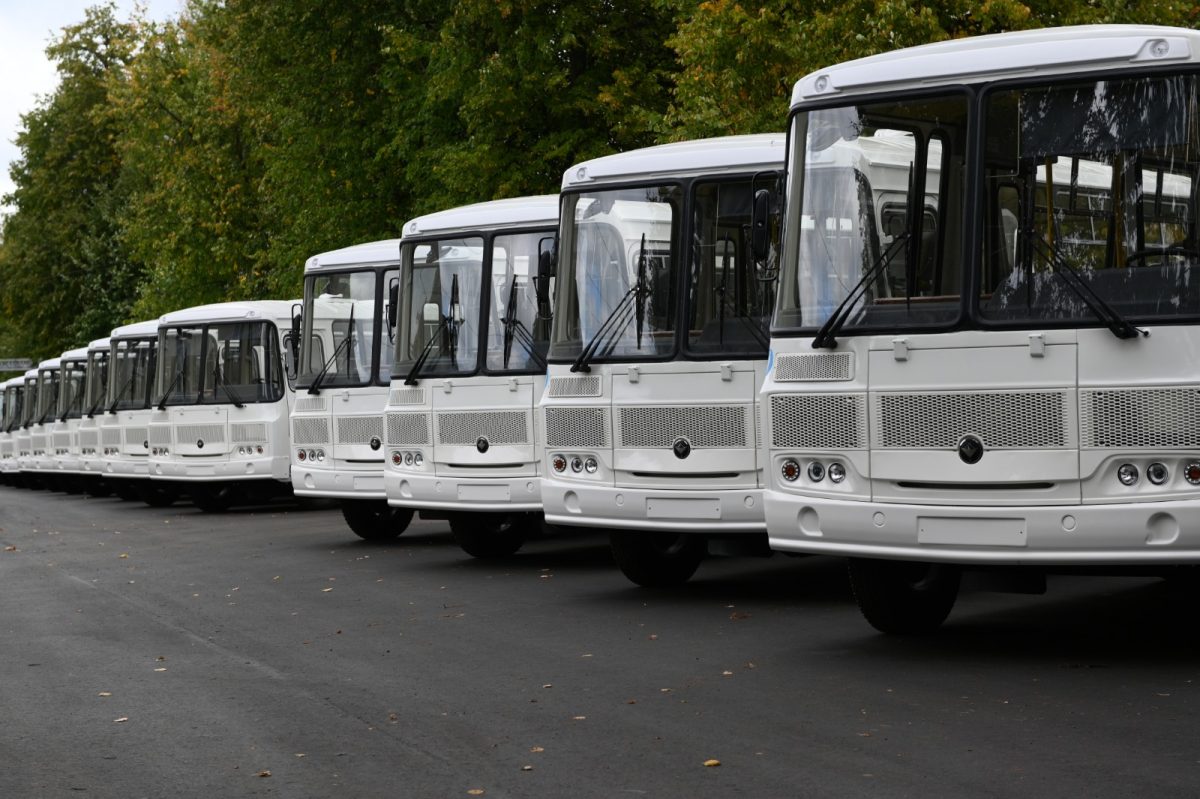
pixel 125 489
pixel 157 495
pixel 902 597
pixel 492 535
pixel 375 519
pixel 214 498
pixel 657 560
pixel 97 487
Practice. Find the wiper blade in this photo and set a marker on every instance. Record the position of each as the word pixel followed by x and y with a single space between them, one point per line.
pixel 315 388
pixel 411 378
pixel 514 328
pixel 630 305
pixel 219 379
pixel 841 314
pixel 1117 324
pixel 162 401
pixel 112 407
pixel 447 330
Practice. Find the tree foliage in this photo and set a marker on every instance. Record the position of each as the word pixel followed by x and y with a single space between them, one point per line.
pixel 205 158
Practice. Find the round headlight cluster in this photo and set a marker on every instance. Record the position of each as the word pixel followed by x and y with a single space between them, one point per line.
pixel 250 449
pixel 313 455
pixel 1158 473
pixel 816 471
pixel 159 451
pixel 412 459
pixel 578 463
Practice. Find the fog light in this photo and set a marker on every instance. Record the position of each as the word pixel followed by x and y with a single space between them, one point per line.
pixel 577 464
pixel 559 463
pixel 837 472
pixel 397 459
pixel 816 471
pixel 418 459
pixel 320 455
pixel 258 449
pixel 312 455
pixel 1156 473
pixel 1191 473
pixel 301 455
pixel 408 459
pixel 590 465
pixel 790 470
pixel 1127 473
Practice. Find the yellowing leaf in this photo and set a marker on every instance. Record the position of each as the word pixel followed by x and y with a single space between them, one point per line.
pixel 711 762
pixel 326 590
pixel 123 555
pixel 104 693
pixel 264 773
pixel 475 792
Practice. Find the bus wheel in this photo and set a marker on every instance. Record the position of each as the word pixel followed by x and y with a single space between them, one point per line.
pixel 157 496
pixel 902 597
pixel 214 498
pixel 125 489
pixel 491 535
pixel 374 519
pixel 657 560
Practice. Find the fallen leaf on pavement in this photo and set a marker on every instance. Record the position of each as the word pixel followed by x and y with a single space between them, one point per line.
pixel 526 768
pixel 537 749
pixel 104 693
pixel 121 720
pixel 737 615
pixel 326 590
pixel 264 773
pixel 123 555
pixel 10 549
pixel 712 762
pixel 475 792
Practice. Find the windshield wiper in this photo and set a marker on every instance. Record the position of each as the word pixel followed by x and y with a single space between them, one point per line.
pixel 633 303
pixel 315 388
pixel 841 314
pixel 162 401
pixel 1108 316
pixel 515 328
pixel 219 378
pixel 447 330
pixel 112 407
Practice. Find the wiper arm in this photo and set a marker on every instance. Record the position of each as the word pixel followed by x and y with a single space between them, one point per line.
pixel 514 328
pixel 162 401
pixel 632 304
pixel 112 407
pixel 447 327
pixel 841 314
pixel 219 379
pixel 315 388
pixel 1117 324
pixel 411 378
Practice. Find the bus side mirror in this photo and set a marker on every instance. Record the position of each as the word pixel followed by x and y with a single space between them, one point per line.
pixel 547 260
pixel 760 226
pixel 393 302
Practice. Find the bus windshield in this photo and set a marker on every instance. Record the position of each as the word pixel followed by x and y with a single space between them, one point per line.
pixel 441 286
pixel 218 363
pixel 96 381
pixel 48 382
pixel 1091 185
pixel 616 296
pixel 70 395
pixel 13 396
pixel 340 324
pixel 130 373
pixel 518 333
pixel 30 411
pixel 876 205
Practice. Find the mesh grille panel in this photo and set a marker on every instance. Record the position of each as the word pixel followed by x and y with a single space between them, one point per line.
pixel 1140 418
pixel 812 368
pixel 1001 419
pixel 704 426
pixel 576 427
pixel 359 429
pixel 248 433
pixel 160 434
pixel 819 421
pixel 406 396
pixel 62 440
pixel 134 436
pixel 310 431
pixel 498 427
pixel 586 386
pixel 209 433
pixel 407 429
pixel 89 438
pixel 310 404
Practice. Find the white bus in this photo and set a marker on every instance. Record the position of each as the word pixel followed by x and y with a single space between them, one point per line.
pixel 218 427
pixel 13 390
pixel 659 350
pixel 84 446
pixel 64 432
pixel 120 447
pixel 1005 373
pixel 461 436
pixel 349 323
pixel 22 436
pixel 41 453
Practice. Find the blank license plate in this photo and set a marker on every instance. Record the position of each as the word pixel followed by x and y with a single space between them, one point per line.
pixel 965 531
pixel 368 483
pixel 678 508
pixel 469 492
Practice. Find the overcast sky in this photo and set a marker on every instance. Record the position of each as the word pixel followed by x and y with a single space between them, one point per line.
pixel 26 27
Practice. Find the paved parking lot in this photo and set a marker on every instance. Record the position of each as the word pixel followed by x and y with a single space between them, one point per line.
pixel 152 652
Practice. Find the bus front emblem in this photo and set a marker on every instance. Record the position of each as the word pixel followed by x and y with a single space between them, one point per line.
pixel 482 444
pixel 682 448
pixel 970 449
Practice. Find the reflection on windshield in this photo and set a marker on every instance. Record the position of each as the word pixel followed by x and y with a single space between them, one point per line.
pixel 96 381
pixel 221 363
pixel 13 397
pixel 132 366
pixel 339 328
pixel 29 412
pixel 517 335
pixel 47 395
pixel 440 291
pixel 70 394
pixel 618 243
pixel 1095 178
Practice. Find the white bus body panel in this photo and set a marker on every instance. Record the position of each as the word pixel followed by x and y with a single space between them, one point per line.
pixel 341 422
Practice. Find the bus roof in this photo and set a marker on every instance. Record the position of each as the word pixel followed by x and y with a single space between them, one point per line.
pixel 371 253
pixel 273 310
pixel 77 354
pixel 13 382
pixel 977 59
pixel 147 329
pixel 31 373
pixel 50 363
pixel 100 344
pixel 701 156
pixel 515 212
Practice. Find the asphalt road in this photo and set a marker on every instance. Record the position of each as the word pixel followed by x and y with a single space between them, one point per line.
pixel 169 652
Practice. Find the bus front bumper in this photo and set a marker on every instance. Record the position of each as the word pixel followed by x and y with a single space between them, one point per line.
pixel 685 511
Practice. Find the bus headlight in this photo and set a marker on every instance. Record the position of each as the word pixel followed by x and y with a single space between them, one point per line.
pixel 1127 473
pixel 591 465
pixel 1156 473
pixel 836 472
pixel 816 471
